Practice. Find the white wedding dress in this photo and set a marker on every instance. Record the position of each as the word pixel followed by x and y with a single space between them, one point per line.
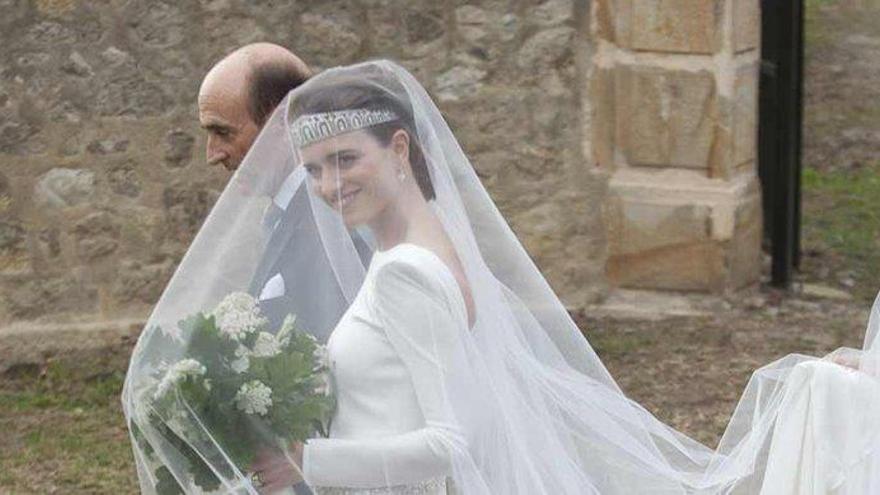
pixel 391 415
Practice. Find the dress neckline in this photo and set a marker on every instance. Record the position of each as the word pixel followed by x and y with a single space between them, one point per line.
pixel 458 289
pixel 388 251
pixel 432 254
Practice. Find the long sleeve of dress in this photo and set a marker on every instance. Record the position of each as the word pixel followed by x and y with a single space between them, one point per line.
pixel 423 318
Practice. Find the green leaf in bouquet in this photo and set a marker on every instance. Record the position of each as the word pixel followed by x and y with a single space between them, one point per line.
pixel 202 474
pixel 303 342
pixel 288 327
pixel 250 338
pixel 297 407
pixel 157 340
pixel 217 352
pixel 198 323
pixel 166 484
pixel 204 477
pixel 206 344
pixel 229 427
pixel 196 392
pixel 288 375
pixel 299 417
pixel 141 440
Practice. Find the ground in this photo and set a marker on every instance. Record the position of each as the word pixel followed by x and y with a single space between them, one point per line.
pixel 61 424
pixel 842 147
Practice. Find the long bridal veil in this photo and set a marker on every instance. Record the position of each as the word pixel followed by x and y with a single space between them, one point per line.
pixel 529 407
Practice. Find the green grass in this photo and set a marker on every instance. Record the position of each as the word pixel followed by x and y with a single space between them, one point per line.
pixel 51 389
pixel 619 344
pixel 62 428
pixel 842 217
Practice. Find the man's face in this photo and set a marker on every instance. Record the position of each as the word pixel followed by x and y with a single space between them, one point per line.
pixel 223 114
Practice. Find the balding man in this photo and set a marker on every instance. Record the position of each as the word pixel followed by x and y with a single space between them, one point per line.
pixel 239 94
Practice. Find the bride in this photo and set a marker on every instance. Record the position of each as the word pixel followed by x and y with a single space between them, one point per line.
pixel 455 369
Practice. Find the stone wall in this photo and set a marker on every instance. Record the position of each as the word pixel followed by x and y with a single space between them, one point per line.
pixel 102 180
pixel 675 128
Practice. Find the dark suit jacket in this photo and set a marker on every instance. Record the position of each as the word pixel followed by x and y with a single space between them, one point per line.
pixel 294 252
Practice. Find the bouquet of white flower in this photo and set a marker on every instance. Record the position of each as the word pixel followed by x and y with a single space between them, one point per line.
pixel 238 387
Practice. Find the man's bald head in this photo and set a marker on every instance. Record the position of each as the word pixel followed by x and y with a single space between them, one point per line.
pixel 240 92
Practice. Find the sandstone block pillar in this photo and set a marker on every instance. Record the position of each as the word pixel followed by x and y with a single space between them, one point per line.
pixel 674 89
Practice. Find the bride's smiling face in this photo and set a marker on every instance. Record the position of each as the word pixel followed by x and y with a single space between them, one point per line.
pixel 354 174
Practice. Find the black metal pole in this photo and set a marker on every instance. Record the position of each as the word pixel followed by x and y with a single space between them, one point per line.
pixel 780 133
pixel 798 130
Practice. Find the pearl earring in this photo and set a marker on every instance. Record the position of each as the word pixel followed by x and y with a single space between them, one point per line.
pixel 401 175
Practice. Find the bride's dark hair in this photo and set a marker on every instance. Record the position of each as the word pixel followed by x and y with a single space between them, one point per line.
pixel 365 94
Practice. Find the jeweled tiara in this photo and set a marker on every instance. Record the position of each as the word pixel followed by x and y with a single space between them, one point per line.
pixel 312 128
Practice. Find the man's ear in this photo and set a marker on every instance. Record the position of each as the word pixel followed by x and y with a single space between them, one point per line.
pixel 400 145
